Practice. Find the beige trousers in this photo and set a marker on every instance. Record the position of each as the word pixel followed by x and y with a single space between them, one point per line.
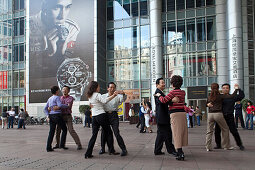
pixel 69 123
pixel 212 118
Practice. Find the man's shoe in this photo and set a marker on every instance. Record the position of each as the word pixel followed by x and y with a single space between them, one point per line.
pixel 50 150
pixel 241 147
pixel 217 147
pixel 56 147
pixel 65 148
pixel 174 153
pixel 114 153
pixel 160 153
pixel 88 156
pixel 102 151
pixel 123 153
pixel 79 147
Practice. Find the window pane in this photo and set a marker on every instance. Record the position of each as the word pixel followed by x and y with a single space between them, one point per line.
pixel 164 34
pixel 202 66
pixel 135 37
pixel 21 32
pixel 164 5
pixel 191 33
pixel 16 4
pixel 110 40
pixel 181 36
pixel 210 2
pixel 21 4
pixel 118 40
pixel 145 36
pixel 180 4
pixel 15 79
pixel 109 11
pixel 21 52
pixel 134 8
pixel 143 7
pixel 126 6
pixel 111 72
pixel 117 9
pixel 200 3
pixel 16 27
pixel 211 32
pixel 201 35
pixel 16 53
pixel 127 38
pixel 171 32
pixel 190 3
pixel 170 5
pixel 145 68
pixel 21 80
pixel 212 64
pixel 191 71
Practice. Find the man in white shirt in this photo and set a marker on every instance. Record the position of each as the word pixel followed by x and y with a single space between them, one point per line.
pixel 11 118
pixel 111 109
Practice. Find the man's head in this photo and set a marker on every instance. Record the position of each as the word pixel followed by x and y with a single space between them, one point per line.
pixel 160 83
pixel 65 90
pixel 54 90
pixel 111 87
pixel 225 88
pixel 56 11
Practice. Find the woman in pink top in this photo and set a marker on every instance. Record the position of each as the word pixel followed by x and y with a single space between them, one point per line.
pixel 250 111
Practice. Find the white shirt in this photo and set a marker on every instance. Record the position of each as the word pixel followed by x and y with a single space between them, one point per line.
pixel 97 101
pixel 11 113
pixel 114 103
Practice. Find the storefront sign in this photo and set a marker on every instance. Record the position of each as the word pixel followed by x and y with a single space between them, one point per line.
pixel 199 92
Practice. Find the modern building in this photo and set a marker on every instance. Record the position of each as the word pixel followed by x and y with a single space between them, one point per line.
pixel 137 41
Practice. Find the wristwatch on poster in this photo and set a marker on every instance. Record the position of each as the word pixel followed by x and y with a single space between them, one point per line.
pixel 74 73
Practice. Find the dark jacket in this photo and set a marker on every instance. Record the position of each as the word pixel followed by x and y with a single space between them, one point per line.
pixel 238 108
pixel 87 113
pixel 162 116
pixel 228 104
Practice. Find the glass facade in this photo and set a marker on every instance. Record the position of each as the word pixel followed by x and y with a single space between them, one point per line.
pixel 12 54
pixel 128 44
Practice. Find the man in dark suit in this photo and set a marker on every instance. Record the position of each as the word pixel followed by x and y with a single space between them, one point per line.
pixel 164 132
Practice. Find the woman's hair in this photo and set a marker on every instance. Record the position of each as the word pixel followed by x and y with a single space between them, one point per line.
pixel 176 81
pixel 149 105
pixel 214 91
pixel 92 87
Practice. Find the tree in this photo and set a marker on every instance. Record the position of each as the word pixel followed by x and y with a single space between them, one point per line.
pixel 83 108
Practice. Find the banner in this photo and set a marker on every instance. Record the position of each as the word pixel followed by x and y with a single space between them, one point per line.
pixel 3 79
pixel 121 109
pixel 61 47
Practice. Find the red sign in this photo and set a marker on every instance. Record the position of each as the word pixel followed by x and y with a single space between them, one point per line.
pixel 3 79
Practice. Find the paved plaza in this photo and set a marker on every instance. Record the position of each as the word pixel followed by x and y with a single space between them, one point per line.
pixel 25 149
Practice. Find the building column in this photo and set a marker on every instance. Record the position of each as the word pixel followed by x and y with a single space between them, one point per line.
pixel 156 45
pixel 234 28
pixel 222 52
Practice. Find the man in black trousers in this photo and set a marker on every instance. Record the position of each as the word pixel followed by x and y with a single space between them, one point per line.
pixel 164 132
pixel 228 112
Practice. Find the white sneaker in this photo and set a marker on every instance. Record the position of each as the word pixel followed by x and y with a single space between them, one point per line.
pixel 230 148
pixel 208 150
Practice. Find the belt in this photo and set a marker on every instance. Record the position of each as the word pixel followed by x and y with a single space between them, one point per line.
pixel 111 111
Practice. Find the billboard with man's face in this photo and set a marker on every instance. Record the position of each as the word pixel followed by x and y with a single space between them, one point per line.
pixel 60 47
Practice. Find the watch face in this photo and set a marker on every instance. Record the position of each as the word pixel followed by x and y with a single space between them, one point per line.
pixel 73 73
pixel 63 32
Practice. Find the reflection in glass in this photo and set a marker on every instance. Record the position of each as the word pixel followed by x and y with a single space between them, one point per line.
pixel 126 7
pixel 127 38
pixel 212 65
pixel 15 79
pixel 181 36
pixel 171 33
pixel 143 7
pixel 164 5
pixel 145 68
pixel 118 41
pixel 21 80
pixel 170 5
pixel 201 33
pixel 110 40
pixel 190 3
pixel 16 53
pixel 135 37
pixel 126 69
pixel 145 36
pixel 134 8
pixel 200 3
pixel 191 33
pixel 180 4
pixel 191 61
pixel 22 30
pixel 110 72
pixel 210 2
pixel 175 65
pixel 164 34
pixel 202 65
pixel 211 31
pixel 21 52
pixel 118 10
pixel 109 10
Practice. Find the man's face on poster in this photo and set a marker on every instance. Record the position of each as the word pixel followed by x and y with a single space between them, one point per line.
pixel 58 11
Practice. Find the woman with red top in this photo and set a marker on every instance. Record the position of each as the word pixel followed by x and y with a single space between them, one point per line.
pixel 177 115
pixel 250 111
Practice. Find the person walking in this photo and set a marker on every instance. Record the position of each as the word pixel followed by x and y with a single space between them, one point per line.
pixel 87 118
pixel 142 111
pixel 54 117
pixel 99 117
pixel 228 105
pixel 239 114
pixel 11 118
pixel 250 112
pixel 191 113
pixel 164 131
pixel 215 115
pixel 198 115
pixel 177 115
pixel 4 118
pixel 22 117
pixel 111 109
pixel 147 116
pixel 68 119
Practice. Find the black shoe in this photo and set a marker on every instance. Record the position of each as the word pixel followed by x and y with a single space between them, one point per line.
pixel 50 150
pixel 114 153
pixel 123 153
pixel 79 147
pixel 102 151
pixel 180 157
pixel 56 147
pixel 241 148
pixel 88 156
pixel 174 153
pixel 65 148
pixel 217 147
pixel 160 153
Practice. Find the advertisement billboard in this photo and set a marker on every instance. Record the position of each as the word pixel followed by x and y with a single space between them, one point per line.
pixel 61 47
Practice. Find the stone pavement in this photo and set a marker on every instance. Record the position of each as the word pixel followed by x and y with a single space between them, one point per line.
pixel 25 149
